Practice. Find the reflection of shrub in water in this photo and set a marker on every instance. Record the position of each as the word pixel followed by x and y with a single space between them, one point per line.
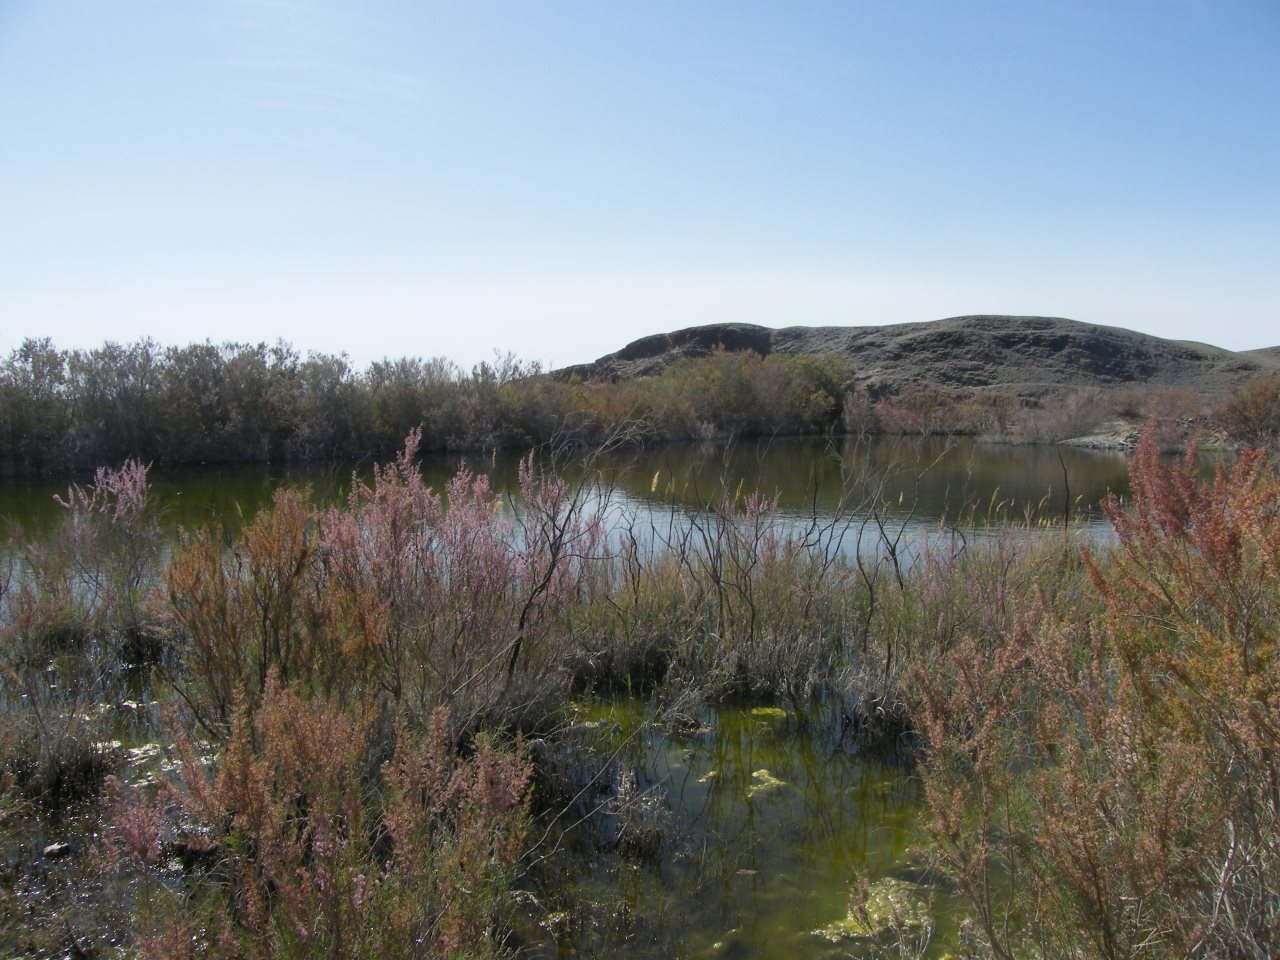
pixel 642 820
pixel 60 769
pixel 879 727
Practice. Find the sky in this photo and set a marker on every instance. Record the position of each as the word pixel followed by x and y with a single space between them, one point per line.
pixel 556 178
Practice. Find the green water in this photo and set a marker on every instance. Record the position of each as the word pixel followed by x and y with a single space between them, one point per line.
pixel 736 832
pixel 919 481
pixel 931 479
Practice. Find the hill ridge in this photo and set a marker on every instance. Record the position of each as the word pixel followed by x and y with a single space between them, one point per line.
pixel 1028 355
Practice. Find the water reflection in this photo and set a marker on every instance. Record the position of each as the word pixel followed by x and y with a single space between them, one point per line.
pixel 766 822
pixel 931 479
pixel 927 481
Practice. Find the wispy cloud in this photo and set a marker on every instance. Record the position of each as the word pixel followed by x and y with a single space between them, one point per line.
pixel 311 58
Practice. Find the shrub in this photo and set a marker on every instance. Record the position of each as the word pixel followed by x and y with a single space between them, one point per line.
pixel 432 599
pixel 1173 416
pixel 857 412
pixel 310 852
pixel 266 606
pixel 1252 414
pixel 116 543
pixel 916 409
pixel 1061 416
pixel 73 610
pixel 1103 783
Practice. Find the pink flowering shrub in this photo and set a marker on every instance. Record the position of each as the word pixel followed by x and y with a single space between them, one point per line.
pixel 470 593
pixel 115 543
pixel 90 577
pixel 310 852
pixel 73 608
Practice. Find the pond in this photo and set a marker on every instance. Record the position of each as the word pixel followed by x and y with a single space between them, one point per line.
pixel 919 483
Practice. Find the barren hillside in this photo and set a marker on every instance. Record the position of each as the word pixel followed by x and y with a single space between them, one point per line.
pixel 1027 355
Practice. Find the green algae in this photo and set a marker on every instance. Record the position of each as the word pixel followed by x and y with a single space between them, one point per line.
pixel 890 906
pixel 763 781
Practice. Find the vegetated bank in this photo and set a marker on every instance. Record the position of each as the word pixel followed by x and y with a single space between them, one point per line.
pixel 365 707
pixel 1027 379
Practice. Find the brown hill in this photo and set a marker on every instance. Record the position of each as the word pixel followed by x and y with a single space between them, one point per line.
pixel 1026 355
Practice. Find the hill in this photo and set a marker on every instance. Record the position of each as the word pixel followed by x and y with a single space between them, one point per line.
pixel 1026 355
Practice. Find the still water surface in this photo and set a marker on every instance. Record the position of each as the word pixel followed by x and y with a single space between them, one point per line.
pixel 741 835
pixel 921 483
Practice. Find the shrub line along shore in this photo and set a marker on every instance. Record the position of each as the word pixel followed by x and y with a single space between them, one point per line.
pixel 67 412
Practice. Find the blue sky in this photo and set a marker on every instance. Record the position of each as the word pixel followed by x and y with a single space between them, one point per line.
pixel 558 178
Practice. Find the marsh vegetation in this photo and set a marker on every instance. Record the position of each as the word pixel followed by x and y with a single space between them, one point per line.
pixel 474 718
